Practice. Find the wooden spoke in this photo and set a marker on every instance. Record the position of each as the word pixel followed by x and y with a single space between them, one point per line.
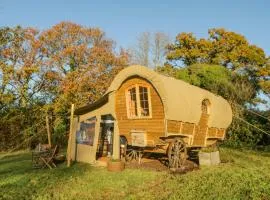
pixel 177 153
pixel 131 155
pixel 134 155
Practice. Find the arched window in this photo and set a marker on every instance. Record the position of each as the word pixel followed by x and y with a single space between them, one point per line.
pixel 132 102
pixel 138 101
pixel 206 106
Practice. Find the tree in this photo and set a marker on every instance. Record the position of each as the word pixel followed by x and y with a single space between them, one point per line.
pixel 20 61
pixel 161 40
pixel 219 80
pixel 264 81
pixel 6 96
pixel 225 48
pixel 222 47
pixel 150 49
pixel 44 72
pixel 81 60
pixel 140 54
pixel 21 82
pixel 81 63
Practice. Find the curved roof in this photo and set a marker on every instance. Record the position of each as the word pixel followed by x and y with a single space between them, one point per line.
pixel 181 100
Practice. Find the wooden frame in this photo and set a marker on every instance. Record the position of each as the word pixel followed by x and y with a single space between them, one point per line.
pixel 138 101
pixel 138 138
pixel 207 105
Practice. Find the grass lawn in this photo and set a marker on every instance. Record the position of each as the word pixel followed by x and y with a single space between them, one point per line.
pixel 244 175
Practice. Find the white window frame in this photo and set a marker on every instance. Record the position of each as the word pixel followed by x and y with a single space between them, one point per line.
pixel 138 101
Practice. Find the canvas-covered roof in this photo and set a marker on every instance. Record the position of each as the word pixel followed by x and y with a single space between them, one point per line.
pixel 88 108
pixel 182 101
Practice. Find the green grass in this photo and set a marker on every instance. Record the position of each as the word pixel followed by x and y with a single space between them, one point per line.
pixel 244 175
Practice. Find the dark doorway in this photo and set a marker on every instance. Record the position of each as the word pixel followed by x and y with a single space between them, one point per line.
pixel 106 135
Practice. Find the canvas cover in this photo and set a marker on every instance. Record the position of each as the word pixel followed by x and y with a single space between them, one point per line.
pixel 182 101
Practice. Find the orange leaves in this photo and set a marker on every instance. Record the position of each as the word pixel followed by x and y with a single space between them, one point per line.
pixel 189 49
pixel 225 48
pixel 222 47
pixel 68 50
pixel 67 62
pixel 21 63
pixel 6 53
pixel 51 75
pixel 83 60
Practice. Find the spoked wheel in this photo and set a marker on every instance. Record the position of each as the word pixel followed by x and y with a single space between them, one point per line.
pixel 177 153
pixel 131 155
pixel 135 154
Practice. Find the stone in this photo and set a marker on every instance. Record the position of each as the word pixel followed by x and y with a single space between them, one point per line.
pixel 209 158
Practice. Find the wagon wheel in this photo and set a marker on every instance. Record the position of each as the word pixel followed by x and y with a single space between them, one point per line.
pixel 131 155
pixel 177 153
pixel 135 154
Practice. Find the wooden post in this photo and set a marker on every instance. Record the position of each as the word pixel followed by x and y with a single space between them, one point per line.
pixel 181 126
pixel 48 131
pixel 70 136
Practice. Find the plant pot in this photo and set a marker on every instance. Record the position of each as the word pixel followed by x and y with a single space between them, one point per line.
pixel 209 158
pixel 115 166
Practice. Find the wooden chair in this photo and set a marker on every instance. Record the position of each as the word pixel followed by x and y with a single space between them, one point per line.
pixel 48 160
pixel 36 158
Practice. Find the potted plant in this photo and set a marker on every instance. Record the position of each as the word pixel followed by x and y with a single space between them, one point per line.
pixel 115 165
pixel 209 156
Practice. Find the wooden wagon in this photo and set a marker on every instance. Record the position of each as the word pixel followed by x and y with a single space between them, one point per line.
pixel 152 111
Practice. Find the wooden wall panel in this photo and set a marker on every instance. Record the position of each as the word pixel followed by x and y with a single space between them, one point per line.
pixel 200 135
pixel 173 126
pixel 187 128
pixel 221 133
pixel 178 127
pixel 212 132
pixel 154 127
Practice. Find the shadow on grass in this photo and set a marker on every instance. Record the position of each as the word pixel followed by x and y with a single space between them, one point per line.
pixel 12 164
pixel 15 158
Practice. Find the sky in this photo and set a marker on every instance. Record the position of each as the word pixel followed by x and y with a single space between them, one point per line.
pixel 123 20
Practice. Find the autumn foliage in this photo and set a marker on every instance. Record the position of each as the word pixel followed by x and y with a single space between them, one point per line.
pixel 43 72
pixel 225 48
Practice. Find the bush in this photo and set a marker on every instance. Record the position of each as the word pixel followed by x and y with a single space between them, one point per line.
pixel 59 135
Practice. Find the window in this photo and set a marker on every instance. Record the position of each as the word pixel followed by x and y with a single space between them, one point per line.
pixel 206 106
pixel 86 134
pixel 132 102
pixel 144 105
pixel 138 101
